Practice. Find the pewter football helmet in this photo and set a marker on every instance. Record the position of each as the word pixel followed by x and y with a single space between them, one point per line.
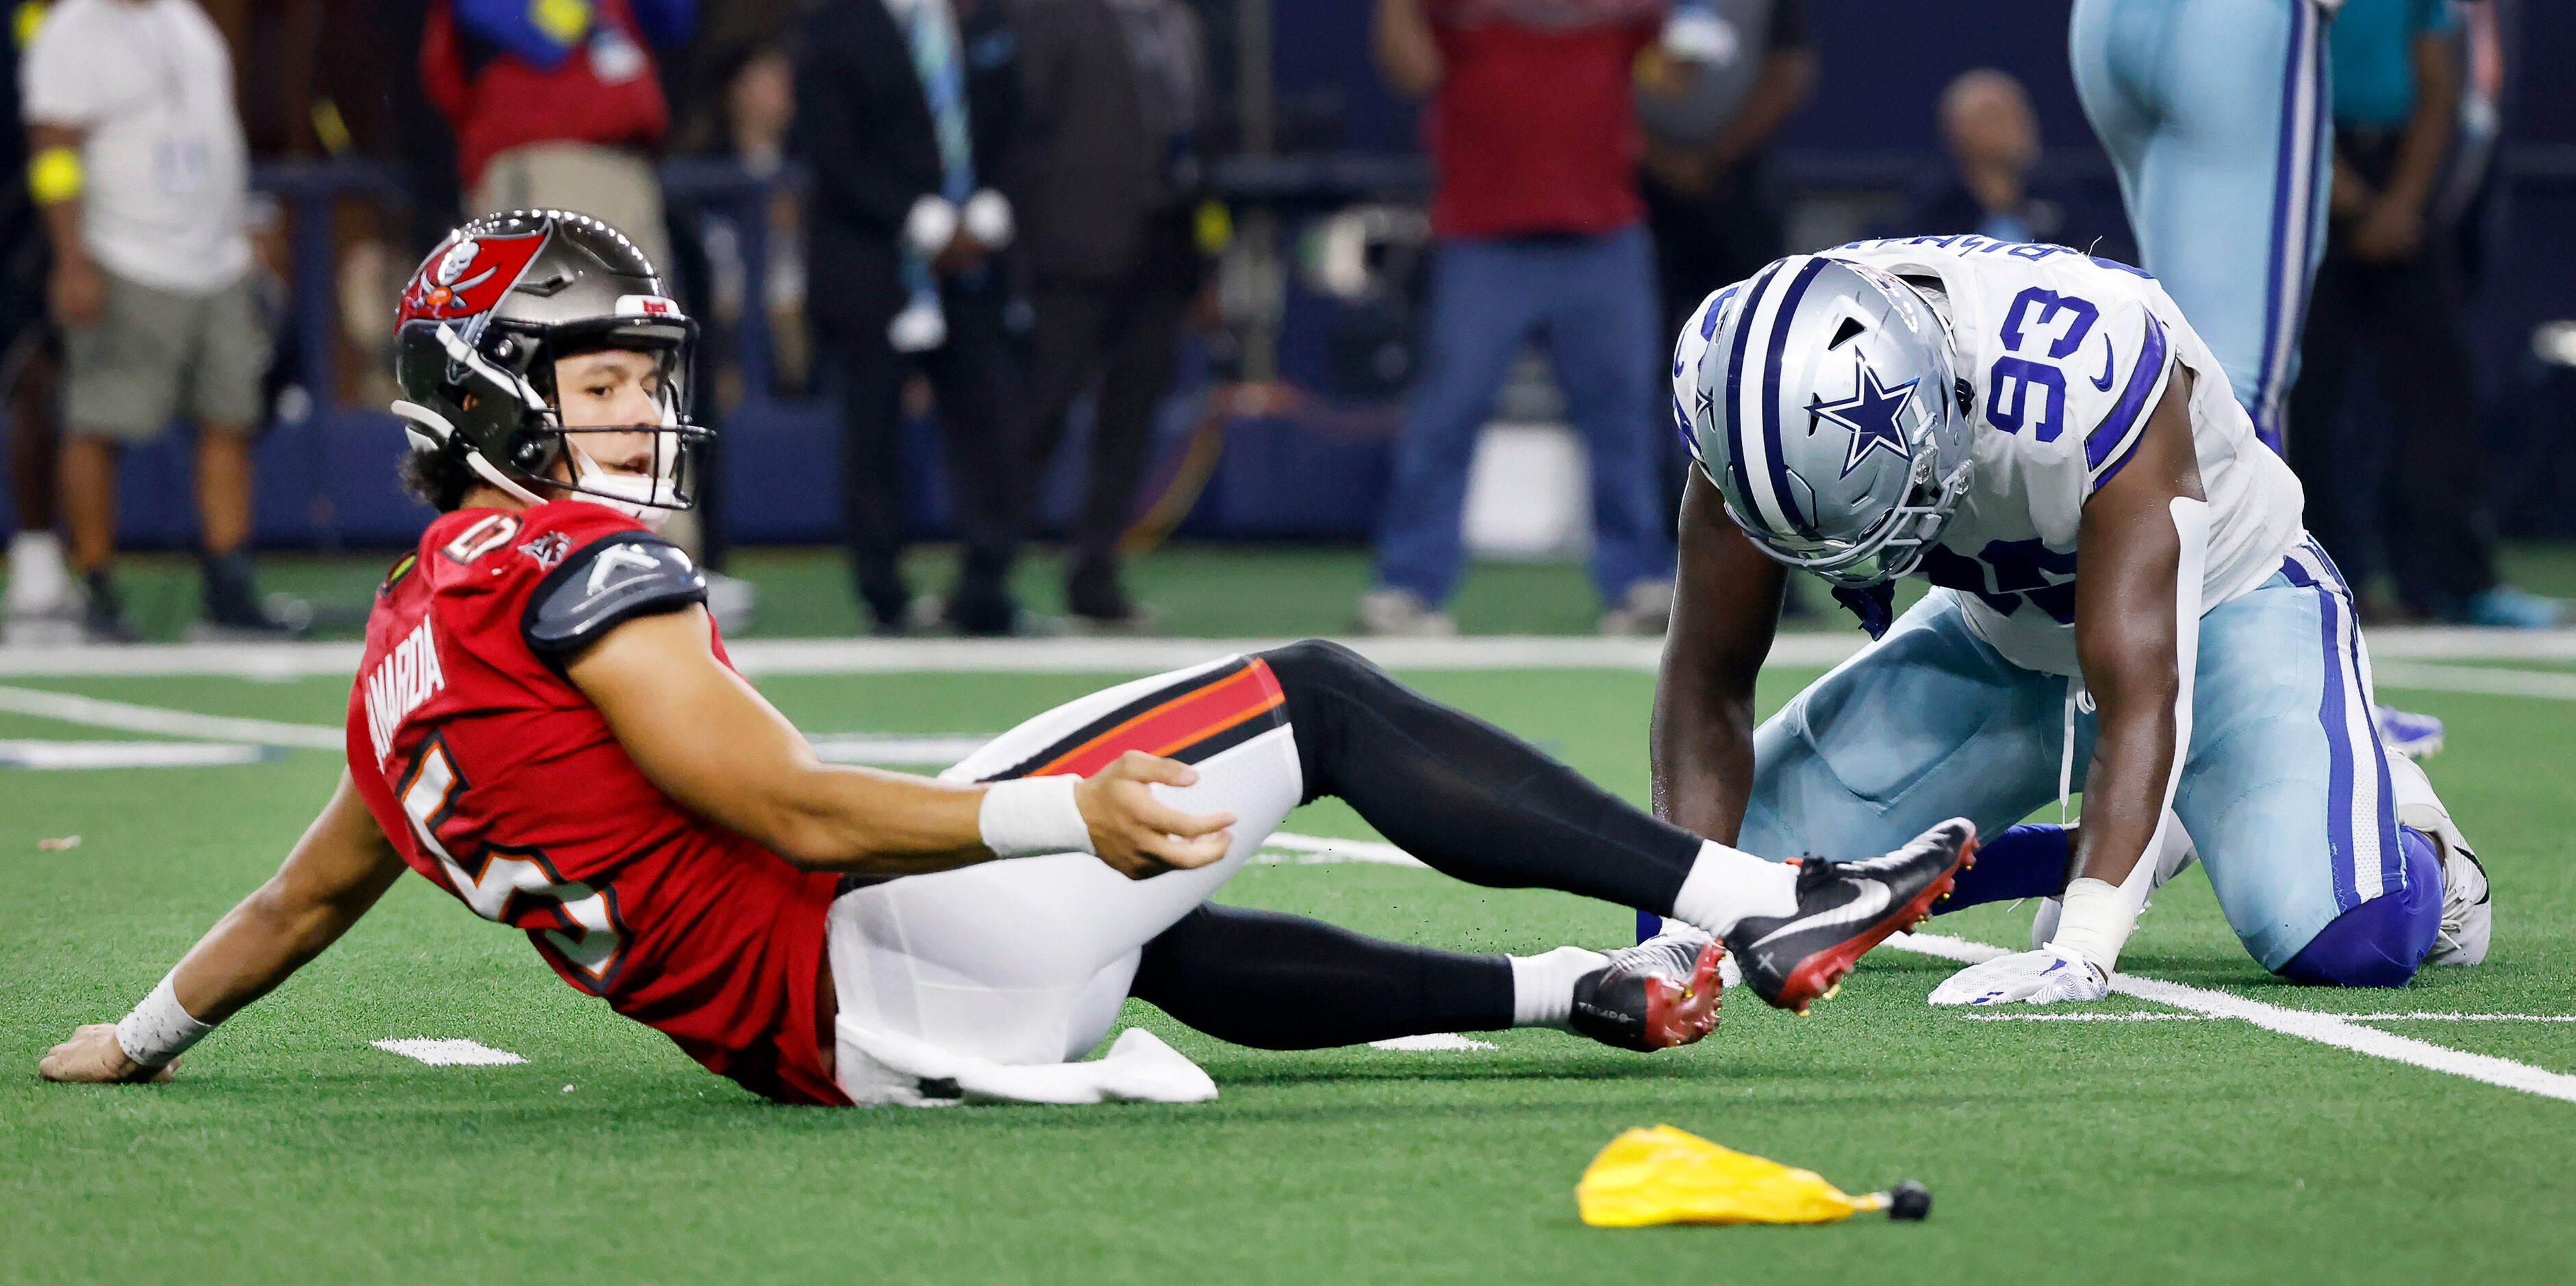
pixel 1826 410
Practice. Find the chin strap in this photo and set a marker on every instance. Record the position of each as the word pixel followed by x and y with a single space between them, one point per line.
pixel 1875 605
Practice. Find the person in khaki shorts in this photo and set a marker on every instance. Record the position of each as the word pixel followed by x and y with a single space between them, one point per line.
pixel 140 170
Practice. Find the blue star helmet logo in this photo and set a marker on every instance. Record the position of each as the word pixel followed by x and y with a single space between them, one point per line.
pixel 1870 413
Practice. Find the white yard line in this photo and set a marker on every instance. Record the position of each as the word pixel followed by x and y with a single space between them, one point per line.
pixel 65 707
pixel 75 755
pixel 1435 1042
pixel 896 749
pixel 2325 1029
pixel 2489 680
pixel 448 1051
pixel 1286 849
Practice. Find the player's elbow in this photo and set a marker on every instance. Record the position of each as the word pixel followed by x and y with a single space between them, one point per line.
pixel 809 839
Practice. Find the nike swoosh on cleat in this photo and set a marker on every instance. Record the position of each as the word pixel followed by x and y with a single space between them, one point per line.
pixel 1873 899
pixel 2103 380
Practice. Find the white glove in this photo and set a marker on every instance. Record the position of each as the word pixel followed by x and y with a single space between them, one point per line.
pixel 987 216
pixel 2042 977
pixel 930 225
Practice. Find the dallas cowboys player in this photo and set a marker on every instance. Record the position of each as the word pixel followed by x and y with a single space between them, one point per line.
pixel 1993 416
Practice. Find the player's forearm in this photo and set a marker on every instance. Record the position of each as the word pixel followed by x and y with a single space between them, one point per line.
pixel 870 822
pixel 257 945
pixel 2124 785
pixel 334 875
pixel 1702 754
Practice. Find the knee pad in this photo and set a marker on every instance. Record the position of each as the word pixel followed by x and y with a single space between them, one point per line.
pixel 2384 940
pixel 1318 663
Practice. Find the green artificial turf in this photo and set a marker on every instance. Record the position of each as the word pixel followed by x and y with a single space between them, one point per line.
pixel 2152 1152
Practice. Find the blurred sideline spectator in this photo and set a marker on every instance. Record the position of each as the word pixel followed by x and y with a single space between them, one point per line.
pixel 139 167
pixel 1993 138
pixel 41 607
pixel 1109 179
pixel 1712 201
pixel 557 103
pixel 756 112
pixel 1533 136
pixel 904 111
pixel 2391 283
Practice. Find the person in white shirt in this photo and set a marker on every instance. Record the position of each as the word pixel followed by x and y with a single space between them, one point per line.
pixel 140 169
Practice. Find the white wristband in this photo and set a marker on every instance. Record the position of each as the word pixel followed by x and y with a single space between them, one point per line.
pixel 1032 817
pixel 931 225
pixel 2096 922
pixel 160 1028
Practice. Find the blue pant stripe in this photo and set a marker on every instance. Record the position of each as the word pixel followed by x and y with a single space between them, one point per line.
pixel 2294 198
pixel 2360 808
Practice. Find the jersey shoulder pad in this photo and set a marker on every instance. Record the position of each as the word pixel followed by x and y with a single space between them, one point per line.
pixel 605 583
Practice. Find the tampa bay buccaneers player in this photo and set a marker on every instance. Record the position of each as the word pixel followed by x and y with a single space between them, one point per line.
pixel 545 725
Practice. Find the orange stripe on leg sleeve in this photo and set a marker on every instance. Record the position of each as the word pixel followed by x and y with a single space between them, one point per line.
pixel 1179 723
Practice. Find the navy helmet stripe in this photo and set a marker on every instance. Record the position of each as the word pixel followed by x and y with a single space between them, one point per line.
pixel 1772 365
pixel 1735 380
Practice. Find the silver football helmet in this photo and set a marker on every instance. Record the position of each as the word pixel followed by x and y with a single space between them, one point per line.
pixel 1820 398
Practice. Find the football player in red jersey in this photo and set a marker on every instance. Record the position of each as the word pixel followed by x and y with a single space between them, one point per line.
pixel 545 724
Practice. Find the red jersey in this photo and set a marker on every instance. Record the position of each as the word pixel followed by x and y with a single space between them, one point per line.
pixel 498 780
pixel 611 101
pixel 1533 127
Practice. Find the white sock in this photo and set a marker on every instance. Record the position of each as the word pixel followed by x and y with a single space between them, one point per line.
pixel 1728 884
pixel 1543 986
pixel 37 579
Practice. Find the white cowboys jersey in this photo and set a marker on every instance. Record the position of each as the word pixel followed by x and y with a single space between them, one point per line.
pixel 2066 355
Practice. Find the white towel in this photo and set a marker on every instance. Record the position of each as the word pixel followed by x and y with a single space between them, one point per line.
pixel 881 1067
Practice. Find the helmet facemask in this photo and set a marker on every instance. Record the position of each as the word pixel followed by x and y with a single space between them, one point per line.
pixel 1888 551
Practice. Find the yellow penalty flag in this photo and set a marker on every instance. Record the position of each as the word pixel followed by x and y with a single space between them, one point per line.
pixel 1664 1175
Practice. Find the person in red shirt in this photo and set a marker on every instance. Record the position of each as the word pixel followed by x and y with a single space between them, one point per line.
pixel 556 104
pixel 545 724
pixel 1534 144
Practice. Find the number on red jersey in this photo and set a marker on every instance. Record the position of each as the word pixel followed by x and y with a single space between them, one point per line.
pixel 571 921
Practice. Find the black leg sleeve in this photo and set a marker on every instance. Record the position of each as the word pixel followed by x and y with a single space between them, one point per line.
pixel 1468 798
pixel 1275 981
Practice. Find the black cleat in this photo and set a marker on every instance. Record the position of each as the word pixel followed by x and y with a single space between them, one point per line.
pixel 1844 909
pixel 1662 992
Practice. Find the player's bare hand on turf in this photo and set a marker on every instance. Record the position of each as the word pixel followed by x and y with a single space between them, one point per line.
pixel 1140 836
pixel 94 1057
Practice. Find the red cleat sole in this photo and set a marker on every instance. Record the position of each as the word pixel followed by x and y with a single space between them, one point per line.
pixel 1680 1016
pixel 1818 975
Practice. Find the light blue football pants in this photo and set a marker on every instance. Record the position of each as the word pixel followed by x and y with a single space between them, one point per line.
pixel 2285 790
pixel 2217 115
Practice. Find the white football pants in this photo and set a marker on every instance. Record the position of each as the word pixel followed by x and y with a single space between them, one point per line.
pixel 1027 961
